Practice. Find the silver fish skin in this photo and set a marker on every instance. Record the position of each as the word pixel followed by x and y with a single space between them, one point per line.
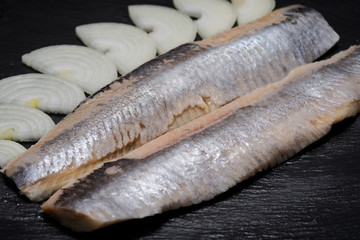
pixel 296 113
pixel 169 91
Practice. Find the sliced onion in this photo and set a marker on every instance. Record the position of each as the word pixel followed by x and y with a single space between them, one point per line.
pixel 9 151
pixel 83 66
pixel 214 16
pixel 127 46
pixel 250 10
pixel 45 92
pixel 168 27
pixel 22 123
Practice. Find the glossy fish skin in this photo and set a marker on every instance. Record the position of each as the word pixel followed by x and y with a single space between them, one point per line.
pixel 297 113
pixel 169 91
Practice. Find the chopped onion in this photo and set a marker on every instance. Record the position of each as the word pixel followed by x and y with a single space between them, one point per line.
pixel 250 10
pixel 83 66
pixel 127 46
pixel 168 27
pixel 45 92
pixel 9 151
pixel 22 123
pixel 214 16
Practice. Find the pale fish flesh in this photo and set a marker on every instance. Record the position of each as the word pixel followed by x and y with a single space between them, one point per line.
pixel 299 111
pixel 169 91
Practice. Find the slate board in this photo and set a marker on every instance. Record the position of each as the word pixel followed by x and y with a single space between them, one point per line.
pixel 315 195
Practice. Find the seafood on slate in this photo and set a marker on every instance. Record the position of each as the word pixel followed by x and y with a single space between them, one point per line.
pixel 297 112
pixel 169 91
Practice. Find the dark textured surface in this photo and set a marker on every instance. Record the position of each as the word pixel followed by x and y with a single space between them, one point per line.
pixel 315 195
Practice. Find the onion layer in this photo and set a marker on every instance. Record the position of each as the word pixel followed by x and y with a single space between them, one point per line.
pixel 9 151
pixel 250 10
pixel 168 27
pixel 83 66
pixel 22 123
pixel 214 16
pixel 45 92
pixel 127 46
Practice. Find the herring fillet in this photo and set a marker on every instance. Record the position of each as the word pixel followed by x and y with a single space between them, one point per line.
pixel 167 92
pixel 300 110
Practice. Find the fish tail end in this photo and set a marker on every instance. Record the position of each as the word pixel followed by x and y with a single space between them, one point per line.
pixel 78 222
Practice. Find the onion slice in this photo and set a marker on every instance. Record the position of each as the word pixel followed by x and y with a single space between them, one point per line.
pixel 126 45
pixel 250 10
pixel 83 66
pixel 168 27
pixel 9 151
pixel 45 92
pixel 214 16
pixel 22 123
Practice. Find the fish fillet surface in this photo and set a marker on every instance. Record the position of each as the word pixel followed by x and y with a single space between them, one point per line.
pixel 283 121
pixel 168 92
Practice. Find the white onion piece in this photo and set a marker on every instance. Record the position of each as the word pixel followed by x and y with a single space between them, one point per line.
pixel 22 123
pixel 168 27
pixel 214 16
pixel 9 151
pixel 89 69
pixel 126 45
pixel 45 92
pixel 250 10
